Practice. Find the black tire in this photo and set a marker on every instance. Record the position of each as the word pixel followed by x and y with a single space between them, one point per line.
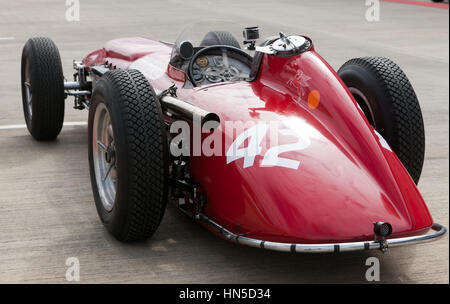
pixel 140 151
pixel 388 99
pixel 42 71
pixel 220 38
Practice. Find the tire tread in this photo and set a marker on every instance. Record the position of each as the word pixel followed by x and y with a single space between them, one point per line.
pixel 145 136
pixel 47 89
pixel 410 145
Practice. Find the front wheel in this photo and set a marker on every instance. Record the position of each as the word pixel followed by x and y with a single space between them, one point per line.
pixel 390 104
pixel 42 88
pixel 128 158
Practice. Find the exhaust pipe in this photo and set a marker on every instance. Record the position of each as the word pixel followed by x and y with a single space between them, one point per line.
pixel 186 110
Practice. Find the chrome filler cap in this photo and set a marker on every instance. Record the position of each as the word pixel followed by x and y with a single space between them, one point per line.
pixel 286 46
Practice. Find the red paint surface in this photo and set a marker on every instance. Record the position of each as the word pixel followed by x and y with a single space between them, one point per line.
pixel 346 180
pixel 420 3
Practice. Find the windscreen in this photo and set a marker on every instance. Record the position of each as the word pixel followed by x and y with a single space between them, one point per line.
pixel 206 33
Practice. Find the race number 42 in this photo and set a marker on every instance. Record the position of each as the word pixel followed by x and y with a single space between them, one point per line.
pixel 255 135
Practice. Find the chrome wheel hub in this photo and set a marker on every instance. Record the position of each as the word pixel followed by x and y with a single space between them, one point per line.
pixel 104 156
pixel 28 90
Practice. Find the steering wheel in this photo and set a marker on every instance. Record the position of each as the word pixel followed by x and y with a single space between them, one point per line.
pixel 221 70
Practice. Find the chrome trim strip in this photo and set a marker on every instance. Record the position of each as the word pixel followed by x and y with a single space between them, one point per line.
pixel 316 248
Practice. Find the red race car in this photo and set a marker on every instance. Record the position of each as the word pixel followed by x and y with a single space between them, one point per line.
pixel 266 145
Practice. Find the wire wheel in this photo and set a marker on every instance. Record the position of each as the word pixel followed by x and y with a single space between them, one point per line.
pixel 104 155
pixel 28 90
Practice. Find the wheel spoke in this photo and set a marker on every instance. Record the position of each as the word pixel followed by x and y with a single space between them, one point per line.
pixel 102 145
pixel 107 172
pixel 110 131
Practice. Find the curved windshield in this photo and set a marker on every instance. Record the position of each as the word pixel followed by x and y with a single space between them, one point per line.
pixel 200 34
pixel 212 51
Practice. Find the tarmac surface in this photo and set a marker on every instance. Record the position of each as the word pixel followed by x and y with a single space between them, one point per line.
pixel 47 213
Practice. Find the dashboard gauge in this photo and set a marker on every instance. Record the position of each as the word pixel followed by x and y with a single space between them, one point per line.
pixel 198 76
pixel 202 61
pixel 213 75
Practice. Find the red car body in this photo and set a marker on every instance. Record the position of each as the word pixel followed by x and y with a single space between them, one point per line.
pixel 347 179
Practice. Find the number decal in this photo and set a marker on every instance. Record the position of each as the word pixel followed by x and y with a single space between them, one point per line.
pixel 271 158
pixel 255 135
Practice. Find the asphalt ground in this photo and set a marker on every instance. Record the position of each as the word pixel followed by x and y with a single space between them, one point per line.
pixel 47 213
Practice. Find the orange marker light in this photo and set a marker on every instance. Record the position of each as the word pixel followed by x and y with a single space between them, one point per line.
pixel 313 99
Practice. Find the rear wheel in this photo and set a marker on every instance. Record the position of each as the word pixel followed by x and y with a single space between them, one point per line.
pixel 220 38
pixel 42 88
pixel 128 158
pixel 389 102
